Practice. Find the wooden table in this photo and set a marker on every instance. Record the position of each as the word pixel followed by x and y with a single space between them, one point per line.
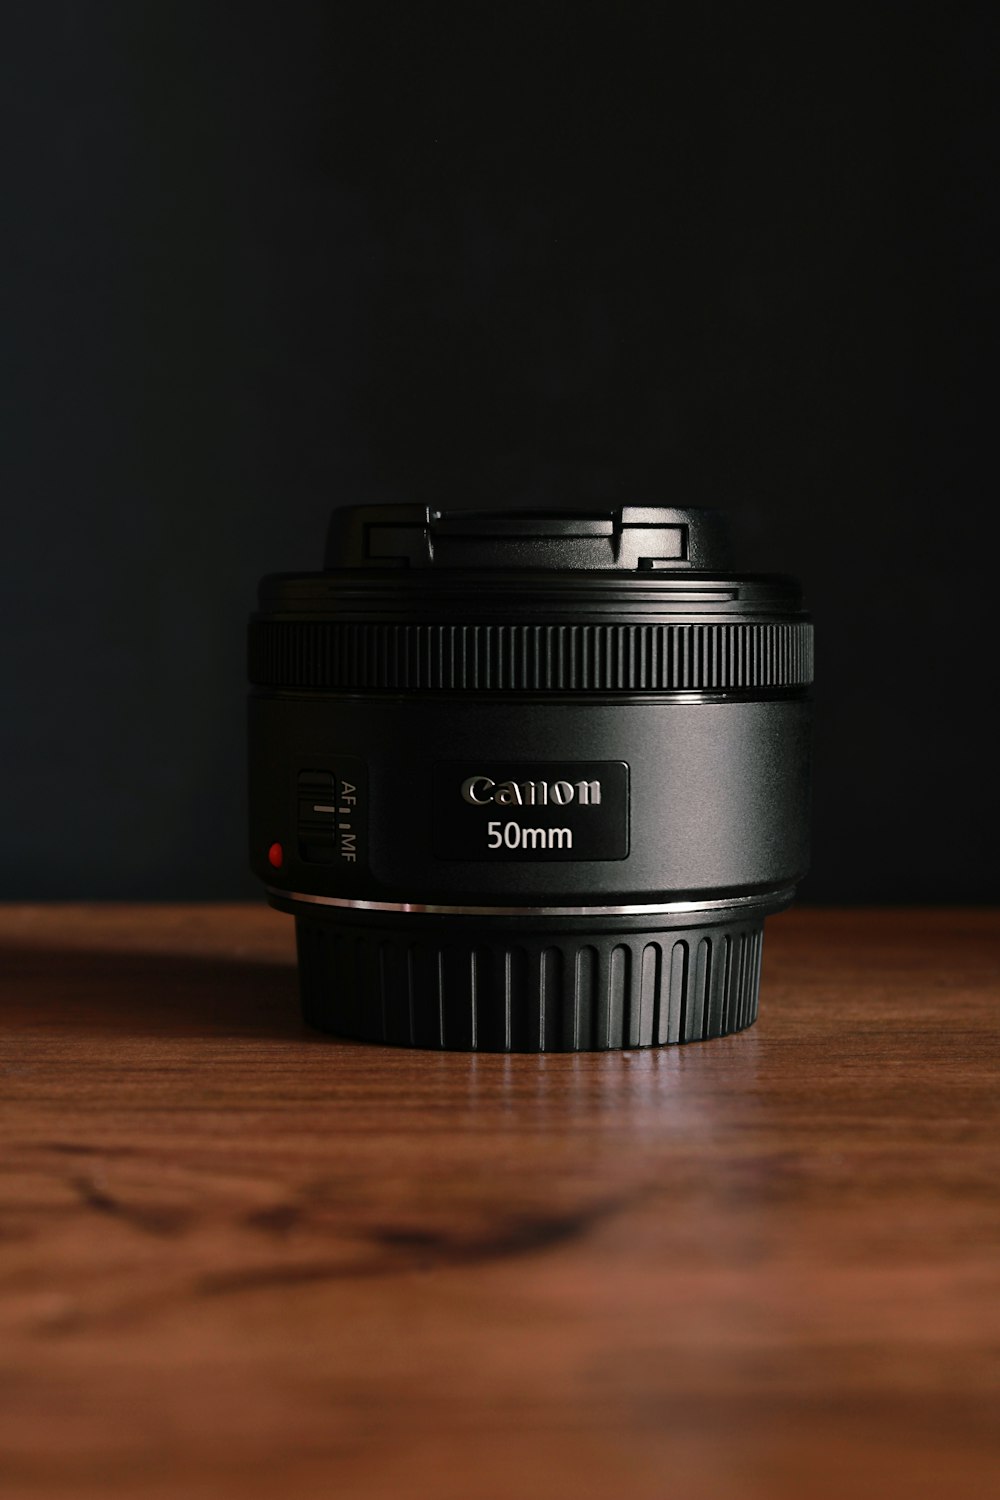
pixel 240 1260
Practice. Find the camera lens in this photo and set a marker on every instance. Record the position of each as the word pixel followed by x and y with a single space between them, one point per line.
pixel 527 780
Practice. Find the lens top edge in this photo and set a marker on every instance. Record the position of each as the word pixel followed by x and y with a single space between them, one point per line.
pixel 526 597
pixel 571 539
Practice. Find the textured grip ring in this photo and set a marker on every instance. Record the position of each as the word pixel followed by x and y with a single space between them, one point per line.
pixel 335 655
pixel 540 992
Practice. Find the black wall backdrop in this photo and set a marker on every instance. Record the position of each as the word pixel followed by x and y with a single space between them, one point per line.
pixel 267 259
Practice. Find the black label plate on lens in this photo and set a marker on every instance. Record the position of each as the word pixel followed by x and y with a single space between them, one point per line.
pixel 531 810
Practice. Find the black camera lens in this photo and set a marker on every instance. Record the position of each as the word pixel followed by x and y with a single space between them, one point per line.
pixel 529 781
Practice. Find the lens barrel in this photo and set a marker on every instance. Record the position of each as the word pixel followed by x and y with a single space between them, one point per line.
pixel 529 781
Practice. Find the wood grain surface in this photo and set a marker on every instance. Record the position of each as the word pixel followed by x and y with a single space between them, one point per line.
pixel 240 1260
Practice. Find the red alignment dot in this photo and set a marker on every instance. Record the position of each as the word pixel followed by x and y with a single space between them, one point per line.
pixel 276 856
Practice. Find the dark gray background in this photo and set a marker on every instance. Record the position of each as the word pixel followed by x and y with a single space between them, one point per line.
pixel 265 259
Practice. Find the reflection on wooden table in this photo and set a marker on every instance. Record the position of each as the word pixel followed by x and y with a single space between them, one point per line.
pixel 238 1259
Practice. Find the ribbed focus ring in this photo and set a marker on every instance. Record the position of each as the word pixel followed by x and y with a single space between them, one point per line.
pixel 335 655
pixel 537 994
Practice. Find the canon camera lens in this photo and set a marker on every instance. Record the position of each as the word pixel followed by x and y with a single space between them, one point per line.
pixel 529 781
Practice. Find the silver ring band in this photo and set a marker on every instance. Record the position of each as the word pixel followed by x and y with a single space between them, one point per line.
pixel 643 909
